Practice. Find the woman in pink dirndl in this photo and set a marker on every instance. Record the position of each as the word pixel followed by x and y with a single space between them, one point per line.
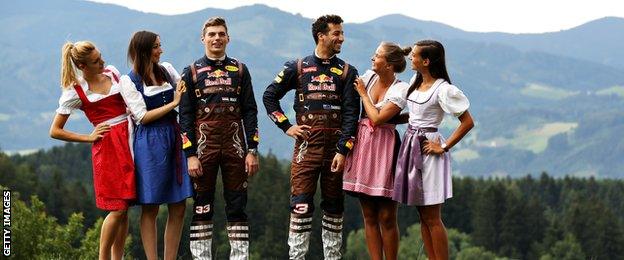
pixel 423 171
pixel 369 169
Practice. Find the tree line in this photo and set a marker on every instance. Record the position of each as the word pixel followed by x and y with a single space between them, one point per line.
pixel 533 217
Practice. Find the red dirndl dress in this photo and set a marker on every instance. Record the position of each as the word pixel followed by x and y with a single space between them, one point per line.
pixel 113 166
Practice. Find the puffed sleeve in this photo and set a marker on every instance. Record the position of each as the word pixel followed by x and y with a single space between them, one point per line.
pixel 175 76
pixel 133 98
pixel 452 100
pixel 112 70
pixel 68 101
pixel 397 94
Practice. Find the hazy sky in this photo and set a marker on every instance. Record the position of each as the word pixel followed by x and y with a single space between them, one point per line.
pixel 513 16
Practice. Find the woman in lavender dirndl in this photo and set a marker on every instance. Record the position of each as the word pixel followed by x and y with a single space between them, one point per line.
pixel 423 171
pixel 369 169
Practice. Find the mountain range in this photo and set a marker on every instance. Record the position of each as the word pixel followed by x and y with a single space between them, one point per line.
pixel 542 102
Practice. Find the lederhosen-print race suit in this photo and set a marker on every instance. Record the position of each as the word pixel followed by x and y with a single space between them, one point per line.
pixel 326 101
pixel 218 116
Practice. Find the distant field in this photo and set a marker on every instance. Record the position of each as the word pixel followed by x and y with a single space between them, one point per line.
pixel 617 90
pixel 463 155
pixel 535 139
pixel 546 92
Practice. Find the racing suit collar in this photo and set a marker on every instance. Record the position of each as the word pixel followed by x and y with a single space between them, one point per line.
pixel 323 61
pixel 208 60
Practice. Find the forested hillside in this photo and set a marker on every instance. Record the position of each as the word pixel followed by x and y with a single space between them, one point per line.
pixel 537 217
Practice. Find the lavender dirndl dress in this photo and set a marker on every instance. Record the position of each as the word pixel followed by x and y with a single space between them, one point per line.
pixel 426 179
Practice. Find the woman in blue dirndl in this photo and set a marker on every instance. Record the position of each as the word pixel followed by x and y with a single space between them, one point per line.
pixel 161 168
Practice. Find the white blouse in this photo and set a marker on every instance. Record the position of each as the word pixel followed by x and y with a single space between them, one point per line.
pixel 396 92
pixel 426 109
pixel 129 87
pixel 69 100
pixel 153 90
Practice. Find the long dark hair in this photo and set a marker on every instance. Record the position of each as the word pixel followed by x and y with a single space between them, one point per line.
pixel 140 53
pixel 434 51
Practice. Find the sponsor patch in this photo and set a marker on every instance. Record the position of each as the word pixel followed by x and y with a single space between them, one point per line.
pixel 331 107
pixel 322 79
pixel 308 69
pixel 233 68
pixel 218 89
pixel 322 96
pixel 335 70
pixel 218 82
pixel 279 117
pixel 229 99
pixel 349 144
pixel 256 136
pixel 322 87
pixel 207 68
pixel 186 143
pixel 217 74
pixel 278 79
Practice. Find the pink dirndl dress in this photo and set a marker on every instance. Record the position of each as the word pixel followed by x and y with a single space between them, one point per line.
pixel 369 168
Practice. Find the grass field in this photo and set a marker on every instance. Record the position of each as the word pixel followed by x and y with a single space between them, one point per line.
pixel 463 155
pixel 532 139
pixel 617 90
pixel 547 92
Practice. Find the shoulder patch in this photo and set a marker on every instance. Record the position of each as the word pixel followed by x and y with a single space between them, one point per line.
pixel 336 71
pixel 231 68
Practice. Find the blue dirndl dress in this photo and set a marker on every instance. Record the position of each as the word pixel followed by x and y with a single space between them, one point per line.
pixel 161 168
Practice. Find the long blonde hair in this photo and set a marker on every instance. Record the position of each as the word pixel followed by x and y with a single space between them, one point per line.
pixel 71 55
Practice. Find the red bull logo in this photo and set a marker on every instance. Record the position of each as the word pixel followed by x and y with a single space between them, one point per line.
pixel 322 79
pixel 217 74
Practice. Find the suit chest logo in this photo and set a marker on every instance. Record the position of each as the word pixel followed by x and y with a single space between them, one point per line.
pixel 322 83
pixel 218 78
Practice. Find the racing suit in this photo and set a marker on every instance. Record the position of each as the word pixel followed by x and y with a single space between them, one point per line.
pixel 218 114
pixel 325 100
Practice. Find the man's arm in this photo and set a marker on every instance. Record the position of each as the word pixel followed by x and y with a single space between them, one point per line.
pixel 350 113
pixel 283 82
pixel 249 110
pixel 188 108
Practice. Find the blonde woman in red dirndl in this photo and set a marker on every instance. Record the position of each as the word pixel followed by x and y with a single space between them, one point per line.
pixel 96 90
